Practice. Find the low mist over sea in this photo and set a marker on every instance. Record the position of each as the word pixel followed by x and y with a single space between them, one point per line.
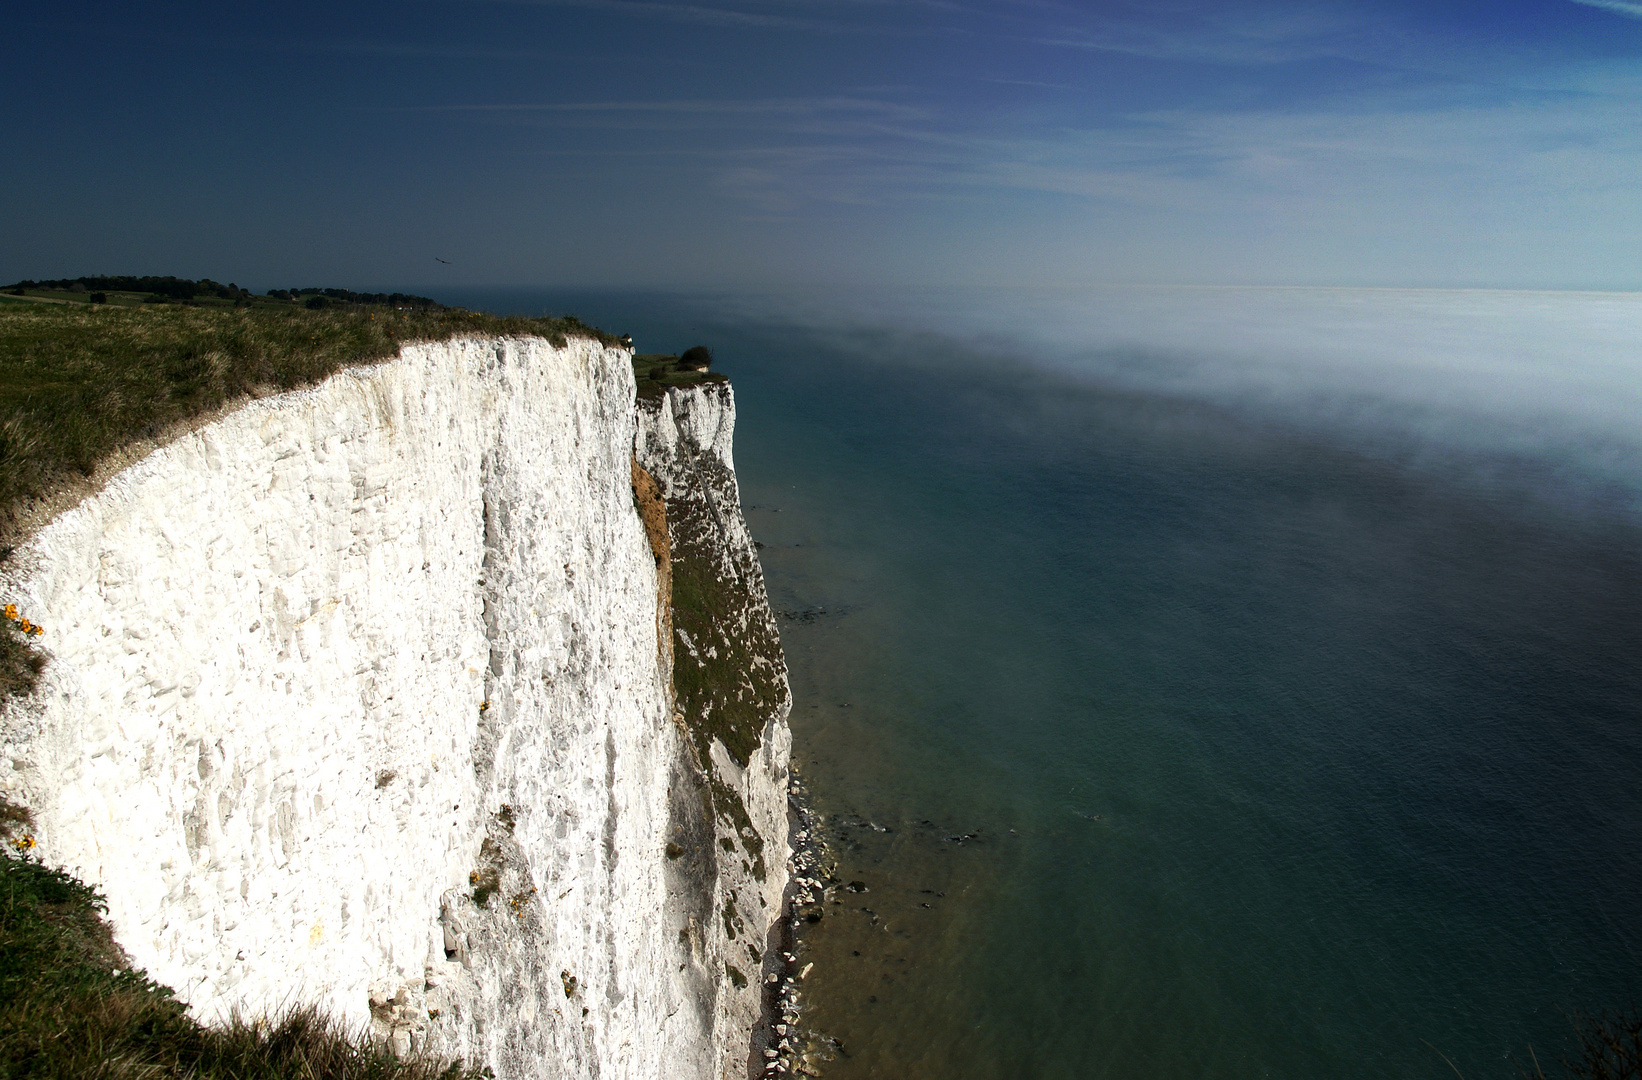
pixel 1230 683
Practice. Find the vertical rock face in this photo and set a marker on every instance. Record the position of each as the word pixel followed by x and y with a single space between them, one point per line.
pixel 361 696
pixel 728 807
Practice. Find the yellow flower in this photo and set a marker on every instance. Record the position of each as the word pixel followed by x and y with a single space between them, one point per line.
pixel 27 626
pixel 38 630
pixel 11 611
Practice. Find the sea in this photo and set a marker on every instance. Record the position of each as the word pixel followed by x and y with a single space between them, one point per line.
pixel 1197 683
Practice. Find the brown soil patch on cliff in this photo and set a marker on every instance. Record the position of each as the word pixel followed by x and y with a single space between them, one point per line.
pixel 653 512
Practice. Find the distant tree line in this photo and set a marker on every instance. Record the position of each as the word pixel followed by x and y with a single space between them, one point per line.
pixel 182 289
pixel 348 296
pixel 171 287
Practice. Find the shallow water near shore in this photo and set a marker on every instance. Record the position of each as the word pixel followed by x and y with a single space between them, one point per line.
pixel 1173 735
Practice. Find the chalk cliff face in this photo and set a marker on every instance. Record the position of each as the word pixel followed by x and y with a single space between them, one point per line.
pixel 729 806
pixel 363 695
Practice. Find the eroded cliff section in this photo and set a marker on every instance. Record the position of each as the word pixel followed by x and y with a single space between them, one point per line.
pixel 359 696
pixel 728 798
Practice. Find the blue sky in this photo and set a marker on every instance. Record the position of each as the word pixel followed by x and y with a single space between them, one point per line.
pixel 792 143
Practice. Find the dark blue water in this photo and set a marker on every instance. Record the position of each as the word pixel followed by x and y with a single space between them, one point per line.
pixel 1174 738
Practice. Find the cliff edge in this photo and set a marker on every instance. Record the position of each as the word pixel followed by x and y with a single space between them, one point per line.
pixel 443 694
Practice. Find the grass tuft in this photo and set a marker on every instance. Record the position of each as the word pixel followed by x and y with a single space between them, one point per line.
pixel 16 822
pixel 20 662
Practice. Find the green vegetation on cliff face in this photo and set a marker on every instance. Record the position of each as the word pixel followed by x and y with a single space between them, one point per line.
pixel 20 662
pixel 728 670
pixel 73 1008
pixel 728 676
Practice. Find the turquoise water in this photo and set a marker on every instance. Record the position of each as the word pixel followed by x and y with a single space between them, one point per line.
pixel 1174 735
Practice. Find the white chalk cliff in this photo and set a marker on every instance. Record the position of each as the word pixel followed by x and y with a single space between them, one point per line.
pixel 364 695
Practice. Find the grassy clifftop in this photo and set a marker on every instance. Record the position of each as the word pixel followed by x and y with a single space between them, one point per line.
pixel 82 380
pixel 79 381
pixel 655 373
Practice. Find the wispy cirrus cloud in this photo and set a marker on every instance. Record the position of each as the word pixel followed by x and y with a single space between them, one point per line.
pixel 400 50
pixel 1234 35
pixel 1323 162
pixel 795 106
pixel 727 128
pixel 1622 7
pixel 722 16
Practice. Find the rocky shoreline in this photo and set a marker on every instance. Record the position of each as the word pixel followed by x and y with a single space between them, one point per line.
pixel 789 1048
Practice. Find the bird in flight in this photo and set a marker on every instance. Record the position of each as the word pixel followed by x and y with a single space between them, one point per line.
pixel 438 259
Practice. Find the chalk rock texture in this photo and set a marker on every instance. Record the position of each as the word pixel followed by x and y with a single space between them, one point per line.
pixel 361 696
pixel 729 811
